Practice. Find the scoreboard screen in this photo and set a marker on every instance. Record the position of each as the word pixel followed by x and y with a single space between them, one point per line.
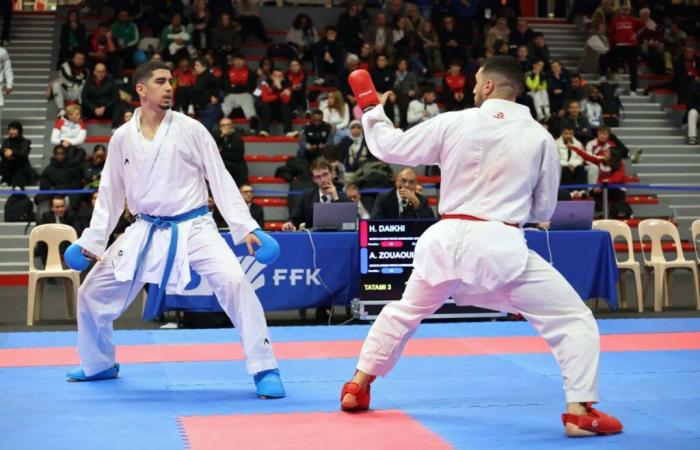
pixel 386 256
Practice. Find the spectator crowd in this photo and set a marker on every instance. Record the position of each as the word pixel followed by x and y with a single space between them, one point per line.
pixel 427 53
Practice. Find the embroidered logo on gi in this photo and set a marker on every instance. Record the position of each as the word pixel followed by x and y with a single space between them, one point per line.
pixel 267 341
pixel 120 253
pixel 499 115
pixel 126 161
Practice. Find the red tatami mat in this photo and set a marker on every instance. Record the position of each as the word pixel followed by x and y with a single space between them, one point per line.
pixel 375 430
pixel 134 354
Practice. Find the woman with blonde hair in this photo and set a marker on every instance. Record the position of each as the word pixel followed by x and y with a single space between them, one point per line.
pixel 403 25
pixel 414 16
pixel 336 112
pixel 498 31
pixel 431 44
pixel 70 132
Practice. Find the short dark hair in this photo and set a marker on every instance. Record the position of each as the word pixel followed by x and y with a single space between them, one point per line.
pixel 604 128
pixel 567 127
pixel 99 148
pixel 507 67
pixel 202 61
pixel 57 197
pixel 320 164
pixel 15 125
pixel 316 112
pixel 144 71
pixel 331 153
pixel 58 148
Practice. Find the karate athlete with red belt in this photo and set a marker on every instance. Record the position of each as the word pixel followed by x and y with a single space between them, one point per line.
pixel 500 169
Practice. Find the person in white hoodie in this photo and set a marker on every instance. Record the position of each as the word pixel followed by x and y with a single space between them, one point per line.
pixel 572 165
pixel 420 110
pixel 336 112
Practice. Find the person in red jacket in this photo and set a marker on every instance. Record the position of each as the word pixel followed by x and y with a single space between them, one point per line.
pixel 611 171
pixel 185 77
pixel 297 79
pixel 623 40
pixel 275 95
pixel 239 84
pixel 454 88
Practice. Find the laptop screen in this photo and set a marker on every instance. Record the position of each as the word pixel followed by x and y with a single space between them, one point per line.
pixel 340 216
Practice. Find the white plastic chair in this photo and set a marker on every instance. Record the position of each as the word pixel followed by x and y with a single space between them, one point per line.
pixel 52 234
pixel 695 231
pixel 655 230
pixel 618 228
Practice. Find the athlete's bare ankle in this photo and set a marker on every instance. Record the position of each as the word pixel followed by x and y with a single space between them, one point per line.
pixel 363 379
pixel 576 408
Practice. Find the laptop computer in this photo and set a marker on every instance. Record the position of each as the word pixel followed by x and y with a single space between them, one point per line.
pixel 572 215
pixel 339 216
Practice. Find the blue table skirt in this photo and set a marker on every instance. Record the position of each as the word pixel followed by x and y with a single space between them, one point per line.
pixel 296 280
pixel 585 258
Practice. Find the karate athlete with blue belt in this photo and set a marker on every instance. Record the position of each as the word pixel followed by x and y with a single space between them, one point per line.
pixel 160 162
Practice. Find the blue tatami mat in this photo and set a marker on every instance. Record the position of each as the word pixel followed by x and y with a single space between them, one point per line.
pixel 333 333
pixel 472 402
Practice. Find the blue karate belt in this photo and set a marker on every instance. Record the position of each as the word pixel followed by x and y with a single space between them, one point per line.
pixel 154 308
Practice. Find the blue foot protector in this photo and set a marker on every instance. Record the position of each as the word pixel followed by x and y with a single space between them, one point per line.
pixel 77 374
pixel 269 384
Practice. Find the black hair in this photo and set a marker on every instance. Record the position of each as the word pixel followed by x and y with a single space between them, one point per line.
pixel 507 67
pixel 16 125
pixel 144 71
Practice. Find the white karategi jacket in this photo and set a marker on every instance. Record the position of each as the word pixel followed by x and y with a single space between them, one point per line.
pixel 497 164
pixel 166 179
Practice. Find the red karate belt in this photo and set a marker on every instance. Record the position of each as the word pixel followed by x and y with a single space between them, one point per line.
pixel 473 218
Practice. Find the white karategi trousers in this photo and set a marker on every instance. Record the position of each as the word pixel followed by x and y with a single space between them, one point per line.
pixel 102 299
pixel 539 293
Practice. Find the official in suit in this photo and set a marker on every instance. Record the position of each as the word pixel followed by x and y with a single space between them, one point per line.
pixel 402 202
pixel 324 192
pixel 58 214
pixel 255 210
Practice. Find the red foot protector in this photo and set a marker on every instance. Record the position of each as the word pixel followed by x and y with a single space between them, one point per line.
pixel 595 421
pixel 363 396
pixel 376 430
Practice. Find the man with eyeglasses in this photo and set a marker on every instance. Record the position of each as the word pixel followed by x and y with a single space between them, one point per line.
pixel 255 210
pixel 402 202
pixel 324 192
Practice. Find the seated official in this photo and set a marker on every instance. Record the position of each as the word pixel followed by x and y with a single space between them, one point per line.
pixel 364 203
pixel 402 202
pixel 255 210
pixel 324 192
pixel 58 214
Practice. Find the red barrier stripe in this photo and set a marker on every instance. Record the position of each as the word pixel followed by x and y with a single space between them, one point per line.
pixel 270 201
pixel 153 353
